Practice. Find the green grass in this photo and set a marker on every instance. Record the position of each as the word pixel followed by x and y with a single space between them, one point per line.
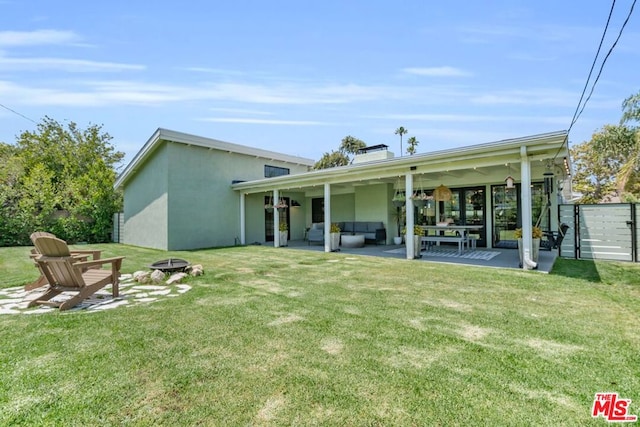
pixel 280 337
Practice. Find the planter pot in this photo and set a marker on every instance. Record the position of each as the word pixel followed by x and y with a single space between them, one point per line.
pixel 419 203
pixel 535 250
pixel 398 203
pixel 397 240
pixel 335 240
pixel 283 238
pixel 417 243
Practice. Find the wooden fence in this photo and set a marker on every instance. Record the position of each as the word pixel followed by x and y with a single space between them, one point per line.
pixel 605 231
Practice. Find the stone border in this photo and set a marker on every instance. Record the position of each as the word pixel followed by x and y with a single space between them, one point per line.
pixel 14 300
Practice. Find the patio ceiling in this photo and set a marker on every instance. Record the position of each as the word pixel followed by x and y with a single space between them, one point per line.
pixel 481 160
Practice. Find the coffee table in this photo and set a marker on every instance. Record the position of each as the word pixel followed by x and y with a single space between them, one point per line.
pixel 352 241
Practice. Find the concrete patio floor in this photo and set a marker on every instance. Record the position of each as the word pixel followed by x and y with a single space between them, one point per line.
pixel 505 258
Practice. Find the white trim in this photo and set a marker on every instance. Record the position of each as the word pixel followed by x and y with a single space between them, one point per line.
pixel 213 144
pixel 543 146
pixel 327 217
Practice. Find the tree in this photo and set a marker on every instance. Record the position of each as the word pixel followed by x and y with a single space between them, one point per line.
pixel 61 180
pixel 412 143
pixel 629 170
pixel 401 131
pixel 348 145
pixel 631 109
pixel 351 145
pixel 331 160
pixel 598 163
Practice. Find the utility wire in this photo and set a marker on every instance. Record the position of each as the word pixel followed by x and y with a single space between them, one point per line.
pixel 604 61
pixel 593 65
pixel 19 114
pixel 579 109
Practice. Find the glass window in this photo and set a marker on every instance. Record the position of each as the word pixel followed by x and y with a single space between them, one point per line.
pixel 272 171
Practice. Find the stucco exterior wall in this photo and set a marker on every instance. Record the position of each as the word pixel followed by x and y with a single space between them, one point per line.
pixel 181 197
pixel 373 203
pixel 146 204
pixel 203 209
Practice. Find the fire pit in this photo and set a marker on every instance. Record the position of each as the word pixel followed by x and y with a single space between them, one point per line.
pixel 170 265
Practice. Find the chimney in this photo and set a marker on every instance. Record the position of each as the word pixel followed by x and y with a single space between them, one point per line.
pixel 372 153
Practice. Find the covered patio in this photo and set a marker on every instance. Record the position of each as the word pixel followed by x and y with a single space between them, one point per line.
pixel 479 176
pixel 480 257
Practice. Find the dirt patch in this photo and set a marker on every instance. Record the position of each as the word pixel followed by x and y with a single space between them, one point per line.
pixel 558 399
pixel 286 319
pixel 264 285
pixel 333 346
pixel 270 408
pixel 473 332
pixel 550 348
pixel 412 357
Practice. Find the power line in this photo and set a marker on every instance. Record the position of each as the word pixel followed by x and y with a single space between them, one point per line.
pixel 19 114
pixel 604 61
pixel 593 65
pixel 580 109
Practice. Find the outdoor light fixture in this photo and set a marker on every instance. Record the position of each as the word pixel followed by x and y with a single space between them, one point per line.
pixel 566 166
pixel 511 183
pixel 442 194
pixel 295 204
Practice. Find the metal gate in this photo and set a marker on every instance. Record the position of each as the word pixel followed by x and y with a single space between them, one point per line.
pixel 605 231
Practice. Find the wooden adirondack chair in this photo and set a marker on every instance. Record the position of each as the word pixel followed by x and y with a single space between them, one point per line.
pixel 81 255
pixel 65 272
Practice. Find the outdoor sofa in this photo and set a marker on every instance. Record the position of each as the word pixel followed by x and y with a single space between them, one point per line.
pixel 373 231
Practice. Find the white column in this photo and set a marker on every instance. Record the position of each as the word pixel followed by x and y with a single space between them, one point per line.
pixel 408 190
pixel 525 201
pixel 243 219
pixel 327 217
pixel 276 220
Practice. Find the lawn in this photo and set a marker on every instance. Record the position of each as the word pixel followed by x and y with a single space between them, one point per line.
pixel 289 337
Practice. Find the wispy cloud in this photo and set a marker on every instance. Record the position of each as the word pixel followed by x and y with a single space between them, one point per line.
pixel 474 118
pixel 37 37
pixel 437 71
pixel 68 65
pixel 240 111
pixel 245 120
pixel 547 97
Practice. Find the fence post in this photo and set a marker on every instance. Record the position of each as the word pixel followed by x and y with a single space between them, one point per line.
pixel 634 240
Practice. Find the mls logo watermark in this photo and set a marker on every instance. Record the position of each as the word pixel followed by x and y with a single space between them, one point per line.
pixel 612 408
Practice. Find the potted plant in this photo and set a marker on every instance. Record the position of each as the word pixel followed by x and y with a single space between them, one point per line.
pixel 334 231
pixel 399 200
pixel 284 233
pixel 269 205
pixel 536 234
pixel 420 199
pixel 417 239
pixel 398 217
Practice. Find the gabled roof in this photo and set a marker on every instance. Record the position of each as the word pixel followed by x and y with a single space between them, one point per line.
pixel 184 138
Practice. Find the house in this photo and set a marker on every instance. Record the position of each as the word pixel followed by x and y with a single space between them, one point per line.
pixel 178 190
pixel 183 192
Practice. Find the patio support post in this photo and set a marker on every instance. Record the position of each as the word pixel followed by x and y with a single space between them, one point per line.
pixel 525 195
pixel 408 189
pixel 276 220
pixel 243 219
pixel 327 217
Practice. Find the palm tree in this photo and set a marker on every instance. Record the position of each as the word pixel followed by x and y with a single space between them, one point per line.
pixel 412 143
pixel 401 131
pixel 351 145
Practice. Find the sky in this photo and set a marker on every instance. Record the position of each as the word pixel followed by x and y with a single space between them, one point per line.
pixel 296 77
